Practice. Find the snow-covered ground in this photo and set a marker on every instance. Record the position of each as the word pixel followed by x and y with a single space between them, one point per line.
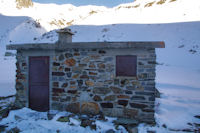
pixel 177 22
pixel 29 121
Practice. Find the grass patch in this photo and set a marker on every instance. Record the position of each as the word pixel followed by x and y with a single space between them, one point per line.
pixel 161 2
pixel 149 4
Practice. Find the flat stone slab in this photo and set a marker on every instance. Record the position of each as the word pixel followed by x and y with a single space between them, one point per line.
pixel 125 121
pixel 86 45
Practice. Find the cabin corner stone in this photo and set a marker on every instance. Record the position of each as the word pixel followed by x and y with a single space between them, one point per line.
pixel 83 78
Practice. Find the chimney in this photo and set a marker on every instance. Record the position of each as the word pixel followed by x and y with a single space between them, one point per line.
pixel 64 35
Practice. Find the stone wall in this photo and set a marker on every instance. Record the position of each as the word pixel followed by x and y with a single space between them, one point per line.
pixel 21 80
pixel 84 81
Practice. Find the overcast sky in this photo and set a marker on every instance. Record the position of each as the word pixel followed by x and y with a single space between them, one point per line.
pixel 108 3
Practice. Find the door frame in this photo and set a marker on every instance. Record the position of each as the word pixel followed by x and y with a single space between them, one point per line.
pixel 50 54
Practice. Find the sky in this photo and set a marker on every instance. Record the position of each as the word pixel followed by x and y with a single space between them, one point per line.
pixel 107 3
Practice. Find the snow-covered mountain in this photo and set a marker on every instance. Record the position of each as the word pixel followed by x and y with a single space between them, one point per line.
pixel 177 22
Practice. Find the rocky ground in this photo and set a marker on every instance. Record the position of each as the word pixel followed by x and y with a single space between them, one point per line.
pixel 5 105
pixel 26 120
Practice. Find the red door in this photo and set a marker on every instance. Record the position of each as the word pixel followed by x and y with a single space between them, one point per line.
pixel 39 83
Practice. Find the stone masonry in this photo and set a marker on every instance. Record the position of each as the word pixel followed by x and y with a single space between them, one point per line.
pixel 83 80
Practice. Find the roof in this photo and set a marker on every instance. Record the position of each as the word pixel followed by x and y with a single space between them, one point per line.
pixel 99 45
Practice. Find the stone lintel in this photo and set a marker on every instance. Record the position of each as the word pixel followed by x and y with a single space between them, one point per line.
pixel 85 45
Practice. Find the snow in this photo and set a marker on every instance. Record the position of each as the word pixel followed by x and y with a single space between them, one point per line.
pixel 177 107
pixel 29 121
pixel 176 23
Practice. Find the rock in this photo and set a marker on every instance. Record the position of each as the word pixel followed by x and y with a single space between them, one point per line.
pixel 137 98
pixel 69 74
pixel 61 57
pixel 76 54
pixel 92 73
pixel 70 62
pixel 2 128
pixel 137 105
pixel 97 98
pixel 55 84
pixel 116 90
pixel 101 66
pixel 80 82
pixel 123 97
pixel 63 119
pixel 197 116
pixel 72 82
pixel 150 131
pixel 101 90
pixel 84 77
pixel 89 83
pixel 73 107
pixel 164 126
pixel 124 82
pixel 58 90
pixel 77 69
pixel 14 130
pixel 72 91
pixel 61 68
pixel 110 131
pixel 58 73
pixel 125 121
pixel 92 65
pixel 102 51
pixel 123 102
pixel 68 55
pixel 93 127
pixel 148 110
pixel 101 116
pixel 128 92
pixel 56 64
pixel 145 93
pixel 91 108
pixel 152 98
pixel 19 86
pixel 108 81
pixel 132 129
pixel 65 85
pixel 106 105
pixel 116 82
pixel 108 59
pixel 130 113
pixel 4 112
pixel 67 69
pixel 110 98
pixel 50 115
pixel 86 122
pixel 75 76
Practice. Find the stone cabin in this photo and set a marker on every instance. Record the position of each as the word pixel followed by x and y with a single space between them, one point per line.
pixel 113 78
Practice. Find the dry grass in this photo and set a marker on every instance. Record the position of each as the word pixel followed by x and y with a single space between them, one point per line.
pixel 24 3
pixel 172 0
pixel 161 2
pixel 149 4
pixel 92 12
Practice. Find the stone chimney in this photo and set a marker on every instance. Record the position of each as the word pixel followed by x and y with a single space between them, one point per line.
pixel 64 35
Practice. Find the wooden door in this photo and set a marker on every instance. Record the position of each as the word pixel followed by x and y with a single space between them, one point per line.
pixel 39 83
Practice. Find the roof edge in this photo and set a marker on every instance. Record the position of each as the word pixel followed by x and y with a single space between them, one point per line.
pixel 107 45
